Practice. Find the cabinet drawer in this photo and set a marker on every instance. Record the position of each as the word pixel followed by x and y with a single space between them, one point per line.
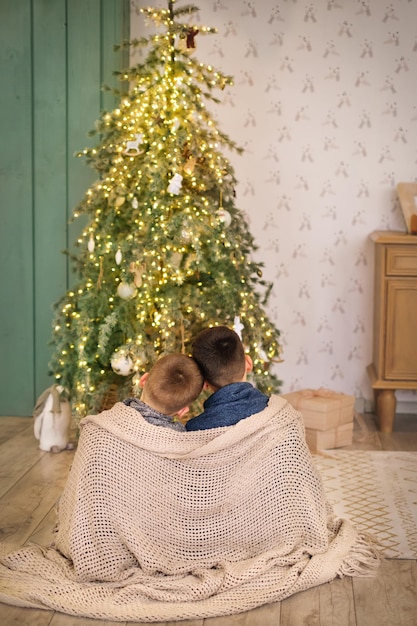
pixel 401 261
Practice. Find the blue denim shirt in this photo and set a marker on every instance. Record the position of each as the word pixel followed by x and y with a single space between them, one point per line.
pixel 229 405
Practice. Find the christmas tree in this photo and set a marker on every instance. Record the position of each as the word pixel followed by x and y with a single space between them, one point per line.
pixel 165 252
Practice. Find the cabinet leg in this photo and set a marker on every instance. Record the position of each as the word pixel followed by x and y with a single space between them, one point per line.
pixel 386 404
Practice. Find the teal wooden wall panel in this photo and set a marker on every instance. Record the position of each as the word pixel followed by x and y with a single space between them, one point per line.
pixel 50 162
pixel 90 54
pixel 84 65
pixel 109 58
pixel 16 226
pixel 54 57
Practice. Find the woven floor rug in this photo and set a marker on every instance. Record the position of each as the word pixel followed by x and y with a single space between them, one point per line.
pixel 377 491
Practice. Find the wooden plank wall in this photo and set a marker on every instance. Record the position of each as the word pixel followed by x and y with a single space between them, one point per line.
pixel 54 57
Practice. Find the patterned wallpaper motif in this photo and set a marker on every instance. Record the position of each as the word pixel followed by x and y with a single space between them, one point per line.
pixel 324 105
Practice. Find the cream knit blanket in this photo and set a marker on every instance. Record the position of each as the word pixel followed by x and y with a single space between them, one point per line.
pixel 160 525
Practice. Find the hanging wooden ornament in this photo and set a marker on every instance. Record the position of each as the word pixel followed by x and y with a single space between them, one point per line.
pixel 119 201
pixel 137 269
pixel 132 147
pixel 100 274
pixel 189 165
pixel 191 33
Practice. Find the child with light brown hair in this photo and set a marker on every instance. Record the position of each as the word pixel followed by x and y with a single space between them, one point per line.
pixel 173 383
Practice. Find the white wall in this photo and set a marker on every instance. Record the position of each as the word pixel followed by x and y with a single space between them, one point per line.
pixel 325 105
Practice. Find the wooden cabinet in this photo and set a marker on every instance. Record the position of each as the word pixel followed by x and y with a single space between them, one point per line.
pixel 394 362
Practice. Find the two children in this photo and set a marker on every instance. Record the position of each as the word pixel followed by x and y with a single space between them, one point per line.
pixel 176 380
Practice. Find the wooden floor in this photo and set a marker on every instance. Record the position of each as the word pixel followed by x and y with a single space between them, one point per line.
pixel 31 482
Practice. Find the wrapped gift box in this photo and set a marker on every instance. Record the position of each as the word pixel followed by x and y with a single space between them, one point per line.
pixel 322 409
pixel 328 439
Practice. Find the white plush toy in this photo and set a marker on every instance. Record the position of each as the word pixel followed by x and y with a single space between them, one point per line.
pixel 175 184
pixel 52 415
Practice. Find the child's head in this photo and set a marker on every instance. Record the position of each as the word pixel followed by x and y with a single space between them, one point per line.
pixel 220 354
pixel 172 383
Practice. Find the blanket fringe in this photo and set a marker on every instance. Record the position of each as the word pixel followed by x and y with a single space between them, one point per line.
pixel 363 559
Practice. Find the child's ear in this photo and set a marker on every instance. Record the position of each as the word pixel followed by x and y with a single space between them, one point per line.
pixel 143 379
pixel 208 387
pixel 249 363
pixel 183 411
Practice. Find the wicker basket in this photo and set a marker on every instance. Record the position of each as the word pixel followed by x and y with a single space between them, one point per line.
pixel 109 398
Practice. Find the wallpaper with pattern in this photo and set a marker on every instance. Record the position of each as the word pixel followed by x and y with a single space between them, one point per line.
pixel 325 106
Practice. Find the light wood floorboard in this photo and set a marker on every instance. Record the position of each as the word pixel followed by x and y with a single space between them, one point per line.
pixel 31 482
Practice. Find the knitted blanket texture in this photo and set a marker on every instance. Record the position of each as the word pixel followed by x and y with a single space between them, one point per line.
pixel 156 525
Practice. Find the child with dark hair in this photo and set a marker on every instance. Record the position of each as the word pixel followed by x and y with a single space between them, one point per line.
pixel 221 357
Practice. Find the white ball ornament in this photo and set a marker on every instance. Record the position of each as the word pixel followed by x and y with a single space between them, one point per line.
pixel 224 216
pixel 121 364
pixel 126 291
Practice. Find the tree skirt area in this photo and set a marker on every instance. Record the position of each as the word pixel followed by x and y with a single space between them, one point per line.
pixel 377 492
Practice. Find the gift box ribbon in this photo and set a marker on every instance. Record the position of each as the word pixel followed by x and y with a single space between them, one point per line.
pixel 320 393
